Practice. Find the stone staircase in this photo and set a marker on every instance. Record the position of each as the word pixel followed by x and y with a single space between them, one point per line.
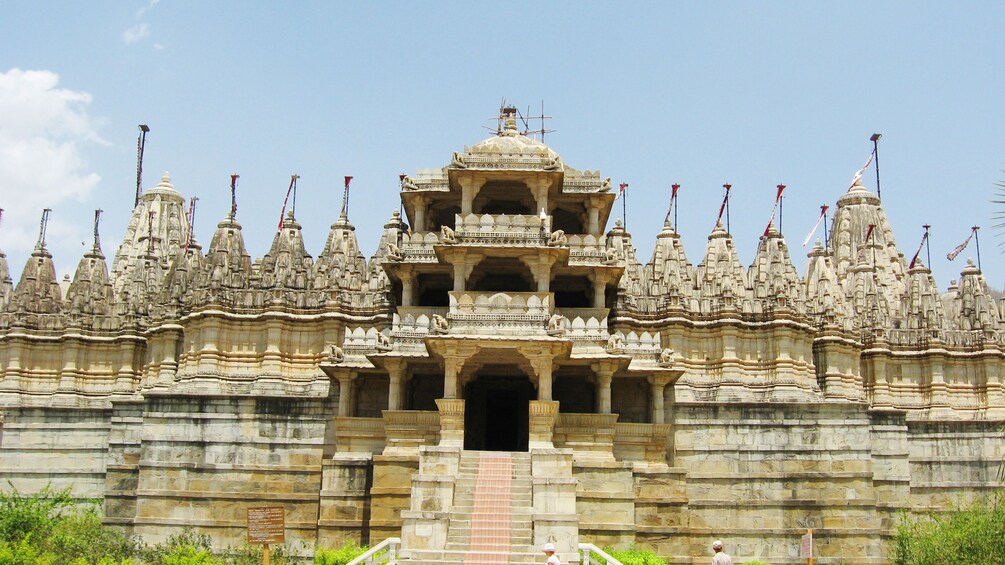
pixel 491 519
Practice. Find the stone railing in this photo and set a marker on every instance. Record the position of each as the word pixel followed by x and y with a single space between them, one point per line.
pixel 418 247
pixel 497 161
pixel 502 229
pixel 585 324
pixel 415 321
pixel 500 312
pixel 588 249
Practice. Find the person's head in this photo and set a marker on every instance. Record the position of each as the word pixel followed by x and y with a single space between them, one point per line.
pixel 548 548
pixel 717 546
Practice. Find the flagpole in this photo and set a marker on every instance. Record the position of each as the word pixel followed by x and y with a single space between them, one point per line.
pixel 140 146
pixel 826 240
pixel 676 187
pixel 928 245
pixel 977 240
pixel 727 187
pixel 781 203
pixel 875 149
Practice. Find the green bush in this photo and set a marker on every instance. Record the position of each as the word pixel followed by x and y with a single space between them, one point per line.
pixel 32 515
pixel 974 534
pixel 755 563
pixel 252 555
pixel 636 556
pixel 340 556
pixel 23 552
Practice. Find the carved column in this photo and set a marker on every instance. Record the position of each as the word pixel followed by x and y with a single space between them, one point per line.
pixel 542 364
pixel 659 383
pixel 396 381
pixel 605 374
pixel 451 421
pixel 540 189
pixel 542 424
pixel 463 264
pixel 407 286
pixel 593 218
pixel 345 392
pixel 421 205
pixel 540 267
pixel 451 372
pixel 469 190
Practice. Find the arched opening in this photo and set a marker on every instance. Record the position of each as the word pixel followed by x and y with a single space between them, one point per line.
pixel 443 217
pixel 434 289
pixel 567 221
pixel 574 391
pixel 511 198
pixel 496 411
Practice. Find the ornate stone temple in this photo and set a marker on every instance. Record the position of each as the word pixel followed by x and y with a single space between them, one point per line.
pixel 502 373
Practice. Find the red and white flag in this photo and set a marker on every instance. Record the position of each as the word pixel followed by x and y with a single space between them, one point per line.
pixel 282 213
pixel 771 220
pixel 621 190
pixel 722 206
pixel 868 233
pixel 914 259
pixel 959 248
pixel 673 199
pixel 858 175
pixel 823 212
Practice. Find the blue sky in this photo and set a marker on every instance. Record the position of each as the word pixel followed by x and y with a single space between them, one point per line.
pixel 754 94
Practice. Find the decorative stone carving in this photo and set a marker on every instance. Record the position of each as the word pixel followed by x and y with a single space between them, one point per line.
pixel 440 324
pixel 666 358
pixel 447 235
pixel 556 324
pixel 335 354
pixel 394 253
pixel 558 238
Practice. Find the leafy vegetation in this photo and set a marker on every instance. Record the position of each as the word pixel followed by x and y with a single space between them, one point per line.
pixel 339 556
pixel 636 556
pixel 50 527
pixel 973 534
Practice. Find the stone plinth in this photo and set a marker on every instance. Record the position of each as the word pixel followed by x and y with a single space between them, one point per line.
pixel 451 422
pixel 543 414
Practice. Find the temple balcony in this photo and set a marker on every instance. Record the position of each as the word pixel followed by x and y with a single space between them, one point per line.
pixel 499 313
pixel 501 229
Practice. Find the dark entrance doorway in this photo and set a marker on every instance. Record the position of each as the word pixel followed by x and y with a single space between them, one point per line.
pixel 496 416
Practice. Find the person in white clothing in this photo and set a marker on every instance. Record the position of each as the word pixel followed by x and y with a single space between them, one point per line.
pixel 549 550
pixel 720 557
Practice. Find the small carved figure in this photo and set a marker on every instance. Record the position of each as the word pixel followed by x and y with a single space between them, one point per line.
pixel 606 186
pixel 612 255
pixel 615 343
pixel 383 342
pixel 440 324
pixel 556 324
pixel 408 184
pixel 666 357
pixel 335 354
pixel 457 162
pixel 447 235
pixel 393 252
pixel 553 164
pixel 558 238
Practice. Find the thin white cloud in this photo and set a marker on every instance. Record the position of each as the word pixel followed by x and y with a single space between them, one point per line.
pixel 136 33
pixel 41 130
pixel 146 8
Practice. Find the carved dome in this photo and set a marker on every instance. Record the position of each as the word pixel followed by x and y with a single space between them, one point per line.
pixel 511 142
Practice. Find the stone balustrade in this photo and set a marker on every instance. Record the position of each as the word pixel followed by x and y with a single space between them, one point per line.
pixel 587 249
pixel 359 435
pixel 585 324
pixel 500 313
pixel 415 321
pixel 502 229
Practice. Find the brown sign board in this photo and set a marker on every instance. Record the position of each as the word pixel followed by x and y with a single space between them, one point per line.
pixel 806 547
pixel 267 525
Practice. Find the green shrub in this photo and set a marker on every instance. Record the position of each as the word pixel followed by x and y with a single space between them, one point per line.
pixel 23 552
pixel 81 537
pixel 252 555
pixel 34 515
pixel 190 555
pixel 974 534
pixel 340 556
pixel 755 563
pixel 636 556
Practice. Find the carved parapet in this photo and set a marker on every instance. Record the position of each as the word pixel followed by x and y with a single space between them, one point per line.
pixel 407 430
pixel 496 313
pixel 591 436
pixel 357 435
pixel 643 443
pixel 500 229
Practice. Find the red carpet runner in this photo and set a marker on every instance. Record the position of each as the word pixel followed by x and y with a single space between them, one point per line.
pixel 490 516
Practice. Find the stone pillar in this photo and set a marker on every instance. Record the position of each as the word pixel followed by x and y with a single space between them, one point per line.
pixel 451 372
pixel 540 189
pixel 345 392
pixel 542 366
pixel 451 421
pixel 542 424
pixel 396 381
pixel 603 381
pixel 421 205
pixel 599 290
pixel 540 267
pixel 659 384
pixel 407 287
pixel 469 189
pixel 593 219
